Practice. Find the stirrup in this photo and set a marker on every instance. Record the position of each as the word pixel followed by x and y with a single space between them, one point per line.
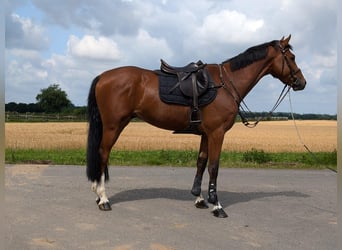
pixel 195 116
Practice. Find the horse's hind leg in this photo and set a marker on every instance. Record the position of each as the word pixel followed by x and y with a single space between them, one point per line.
pixel 101 200
pixel 201 165
pixel 109 137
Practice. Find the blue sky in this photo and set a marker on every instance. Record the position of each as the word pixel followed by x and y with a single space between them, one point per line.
pixel 70 42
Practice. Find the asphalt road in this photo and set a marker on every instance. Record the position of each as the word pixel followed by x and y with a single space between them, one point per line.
pixel 52 207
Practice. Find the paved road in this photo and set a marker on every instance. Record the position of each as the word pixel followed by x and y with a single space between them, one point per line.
pixel 52 207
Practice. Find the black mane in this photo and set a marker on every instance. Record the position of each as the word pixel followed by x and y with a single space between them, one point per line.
pixel 251 55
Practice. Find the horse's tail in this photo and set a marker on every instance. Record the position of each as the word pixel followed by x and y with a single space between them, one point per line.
pixel 94 137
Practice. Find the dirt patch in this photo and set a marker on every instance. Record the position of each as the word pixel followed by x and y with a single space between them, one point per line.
pixel 124 247
pixel 43 242
pixel 30 173
pixel 22 169
pixel 157 246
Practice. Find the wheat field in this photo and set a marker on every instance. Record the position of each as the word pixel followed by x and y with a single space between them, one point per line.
pixel 275 136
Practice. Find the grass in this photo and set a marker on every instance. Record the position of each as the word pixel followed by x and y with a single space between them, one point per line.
pixel 185 158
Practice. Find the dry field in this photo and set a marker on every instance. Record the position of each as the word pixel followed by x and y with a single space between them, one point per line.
pixel 276 136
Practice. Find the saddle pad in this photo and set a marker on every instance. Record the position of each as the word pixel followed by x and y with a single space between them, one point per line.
pixel 168 81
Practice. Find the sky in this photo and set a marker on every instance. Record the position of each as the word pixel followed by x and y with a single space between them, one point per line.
pixel 70 42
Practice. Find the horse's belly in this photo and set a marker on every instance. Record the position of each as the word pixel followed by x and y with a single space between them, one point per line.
pixel 171 117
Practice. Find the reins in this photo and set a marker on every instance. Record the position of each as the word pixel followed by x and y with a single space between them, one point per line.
pixel 300 138
pixel 269 114
pixel 243 108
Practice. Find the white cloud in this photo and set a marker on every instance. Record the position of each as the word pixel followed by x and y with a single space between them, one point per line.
pixel 148 44
pixel 25 53
pixel 223 34
pixel 102 48
pixel 144 50
pixel 325 61
pixel 229 27
pixel 28 70
pixel 23 80
pixel 22 33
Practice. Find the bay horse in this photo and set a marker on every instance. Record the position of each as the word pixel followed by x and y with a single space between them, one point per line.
pixel 118 95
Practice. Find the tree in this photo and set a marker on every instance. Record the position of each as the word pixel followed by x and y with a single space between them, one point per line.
pixel 53 99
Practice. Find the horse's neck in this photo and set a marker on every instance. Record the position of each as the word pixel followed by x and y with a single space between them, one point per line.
pixel 246 78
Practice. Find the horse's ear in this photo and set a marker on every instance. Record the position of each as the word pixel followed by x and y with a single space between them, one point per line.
pixel 285 41
pixel 282 39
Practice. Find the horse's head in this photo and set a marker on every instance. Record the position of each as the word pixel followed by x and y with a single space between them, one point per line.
pixel 285 68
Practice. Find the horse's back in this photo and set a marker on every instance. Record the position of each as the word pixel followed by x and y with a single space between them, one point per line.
pixel 126 72
pixel 129 79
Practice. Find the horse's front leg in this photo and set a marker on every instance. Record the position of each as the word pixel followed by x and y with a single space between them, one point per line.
pixel 215 144
pixel 102 199
pixel 201 165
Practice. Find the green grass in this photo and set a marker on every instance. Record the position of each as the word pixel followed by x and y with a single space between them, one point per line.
pixel 249 159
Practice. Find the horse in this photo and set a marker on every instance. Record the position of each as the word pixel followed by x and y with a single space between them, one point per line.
pixel 120 94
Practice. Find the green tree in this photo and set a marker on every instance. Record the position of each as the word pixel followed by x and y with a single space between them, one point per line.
pixel 53 99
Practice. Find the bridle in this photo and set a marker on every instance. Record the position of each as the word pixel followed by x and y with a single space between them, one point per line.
pixel 243 108
pixel 293 79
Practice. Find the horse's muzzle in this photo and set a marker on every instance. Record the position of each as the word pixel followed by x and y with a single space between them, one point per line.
pixel 298 84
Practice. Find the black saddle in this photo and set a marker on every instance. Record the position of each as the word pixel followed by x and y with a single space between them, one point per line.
pixel 193 81
pixel 191 67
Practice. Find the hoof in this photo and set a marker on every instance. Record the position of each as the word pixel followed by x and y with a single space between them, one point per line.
pixel 97 201
pixel 219 213
pixel 201 204
pixel 105 206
